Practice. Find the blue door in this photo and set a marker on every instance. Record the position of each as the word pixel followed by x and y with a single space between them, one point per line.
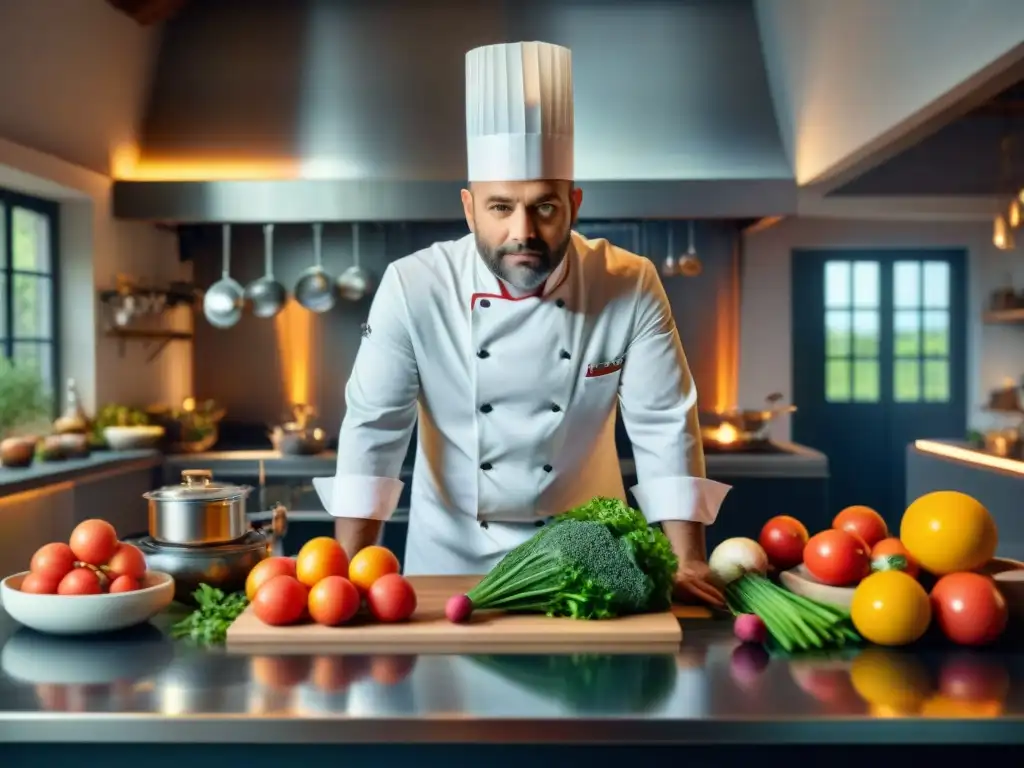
pixel 879 360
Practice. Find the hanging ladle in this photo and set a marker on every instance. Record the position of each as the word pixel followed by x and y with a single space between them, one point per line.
pixel 355 282
pixel 222 303
pixel 316 290
pixel 266 294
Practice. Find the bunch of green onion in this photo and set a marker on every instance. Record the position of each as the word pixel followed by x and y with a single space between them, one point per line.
pixel 793 622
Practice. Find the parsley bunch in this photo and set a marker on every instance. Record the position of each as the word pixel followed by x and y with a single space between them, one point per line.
pixel 209 623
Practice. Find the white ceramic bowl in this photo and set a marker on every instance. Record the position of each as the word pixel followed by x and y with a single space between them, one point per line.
pixel 86 614
pixel 132 438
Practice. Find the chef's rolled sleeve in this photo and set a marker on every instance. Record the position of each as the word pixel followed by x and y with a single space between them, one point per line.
pixel 658 402
pixel 380 399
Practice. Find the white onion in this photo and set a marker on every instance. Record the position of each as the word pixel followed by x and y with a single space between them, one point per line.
pixel 735 557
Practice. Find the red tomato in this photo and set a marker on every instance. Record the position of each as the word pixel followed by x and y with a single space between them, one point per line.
pixel 81 581
pixel 969 608
pixel 93 541
pixel 863 522
pixel 124 583
pixel 333 601
pixel 837 558
pixel 391 598
pixel 54 559
pixel 40 583
pixel 281 600
pixel 783 539
pixel 128 561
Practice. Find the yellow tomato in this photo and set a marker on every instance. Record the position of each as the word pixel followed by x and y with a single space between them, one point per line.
pixel 892 681
pixel 890 608
pixel 948 531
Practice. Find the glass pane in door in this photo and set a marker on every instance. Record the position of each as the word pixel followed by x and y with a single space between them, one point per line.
pixel 30 241
pixel 38 355
pixel 32 306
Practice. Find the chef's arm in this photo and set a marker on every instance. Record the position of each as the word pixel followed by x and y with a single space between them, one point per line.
pixel 380 412
pixel 687 539
pixel 658 402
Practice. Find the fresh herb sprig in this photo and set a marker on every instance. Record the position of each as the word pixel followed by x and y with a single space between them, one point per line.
pixel 209 623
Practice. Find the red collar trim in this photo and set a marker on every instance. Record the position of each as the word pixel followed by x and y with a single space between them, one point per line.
pixel 506 296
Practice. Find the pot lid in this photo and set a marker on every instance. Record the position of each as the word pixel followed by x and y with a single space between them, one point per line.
pixel 198 485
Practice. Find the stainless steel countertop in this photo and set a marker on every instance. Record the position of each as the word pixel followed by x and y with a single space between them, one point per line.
pixel 143 688
pixel 797 462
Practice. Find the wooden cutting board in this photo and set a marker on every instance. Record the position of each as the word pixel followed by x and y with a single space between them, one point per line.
pixel 428 631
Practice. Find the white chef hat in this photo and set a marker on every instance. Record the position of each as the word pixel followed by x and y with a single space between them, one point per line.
pixel 519 113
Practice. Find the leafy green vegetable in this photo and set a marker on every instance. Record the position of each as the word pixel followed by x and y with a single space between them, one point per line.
pixel 650 548
pixel 794 622
pixel 596 561
pixel 209 623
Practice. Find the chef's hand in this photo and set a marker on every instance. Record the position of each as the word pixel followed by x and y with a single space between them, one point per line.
pixel 694 584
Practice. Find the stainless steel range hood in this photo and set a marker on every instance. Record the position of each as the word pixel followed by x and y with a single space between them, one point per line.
pixel 334 110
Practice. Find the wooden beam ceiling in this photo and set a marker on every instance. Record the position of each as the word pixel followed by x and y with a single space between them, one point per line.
pixel 148 12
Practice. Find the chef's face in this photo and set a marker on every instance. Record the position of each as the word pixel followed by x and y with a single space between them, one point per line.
pixel 522 228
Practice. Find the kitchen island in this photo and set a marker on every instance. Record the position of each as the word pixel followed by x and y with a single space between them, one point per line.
pixel 995 481
pixel 163 702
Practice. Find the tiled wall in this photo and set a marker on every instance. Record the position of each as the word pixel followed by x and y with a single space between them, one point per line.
pixel 247 367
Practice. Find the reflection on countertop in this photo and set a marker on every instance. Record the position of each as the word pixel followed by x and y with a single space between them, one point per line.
pixel 711 689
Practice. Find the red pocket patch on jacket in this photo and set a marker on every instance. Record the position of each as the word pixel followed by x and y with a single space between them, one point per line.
pixel 603 369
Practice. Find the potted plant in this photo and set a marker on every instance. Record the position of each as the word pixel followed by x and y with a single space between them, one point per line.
pixel 24 413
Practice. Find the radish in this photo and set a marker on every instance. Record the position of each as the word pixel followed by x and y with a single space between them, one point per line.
pixel 458 609
pixel 749 628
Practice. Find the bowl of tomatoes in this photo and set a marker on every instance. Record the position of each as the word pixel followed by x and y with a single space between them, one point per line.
pixel 92 583
pixel 90 613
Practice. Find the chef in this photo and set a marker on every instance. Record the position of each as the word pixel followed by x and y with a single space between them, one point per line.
pixel 511 348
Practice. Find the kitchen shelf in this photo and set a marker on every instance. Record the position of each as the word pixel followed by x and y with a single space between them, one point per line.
pixel 164 337
pixel 1005 317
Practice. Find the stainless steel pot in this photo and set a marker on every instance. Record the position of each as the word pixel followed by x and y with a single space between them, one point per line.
pixel 198 511
pixel 224 566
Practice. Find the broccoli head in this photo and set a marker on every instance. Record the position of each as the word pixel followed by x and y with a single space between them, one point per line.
pixel 595 561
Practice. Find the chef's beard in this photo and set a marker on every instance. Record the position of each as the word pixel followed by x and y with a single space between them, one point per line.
pixel 524 277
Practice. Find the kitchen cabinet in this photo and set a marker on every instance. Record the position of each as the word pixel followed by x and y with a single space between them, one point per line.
pixel 50 511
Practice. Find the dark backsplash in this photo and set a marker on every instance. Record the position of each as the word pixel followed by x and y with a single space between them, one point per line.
pixel 242 367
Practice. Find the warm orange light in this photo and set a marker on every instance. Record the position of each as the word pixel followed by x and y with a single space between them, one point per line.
pixel 970 456
pixel 129 164
pixel 727 329
pixel 295 327
pixel 725 434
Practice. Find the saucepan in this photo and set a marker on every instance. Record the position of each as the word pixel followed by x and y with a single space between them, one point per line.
pixel 266 294
pixel 316 290
pixel 198 511
pixel 222 303
pixel 355 282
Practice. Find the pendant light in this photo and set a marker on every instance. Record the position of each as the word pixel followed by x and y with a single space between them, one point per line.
pixel 690 265
pixel 1002 234
pixel 669 268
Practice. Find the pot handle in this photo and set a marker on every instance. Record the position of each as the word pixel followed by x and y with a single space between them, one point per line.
pixel 277 529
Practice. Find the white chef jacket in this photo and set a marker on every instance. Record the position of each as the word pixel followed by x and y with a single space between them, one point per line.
pixel 516 401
